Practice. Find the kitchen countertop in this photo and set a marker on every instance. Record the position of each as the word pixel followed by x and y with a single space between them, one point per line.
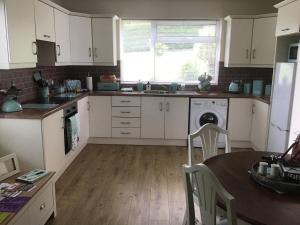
pixel 42 113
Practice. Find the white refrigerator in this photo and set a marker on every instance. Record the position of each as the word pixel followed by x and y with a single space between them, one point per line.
pixel 281 108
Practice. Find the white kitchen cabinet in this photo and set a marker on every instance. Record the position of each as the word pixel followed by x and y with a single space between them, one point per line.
pixel 81 40
pixel 238 42
pixel 240 119
pixel 83 110
pixel 105 41
pixel 153 117
pixel 263 41
pixel 100 116
pixel 62 37
pixel 250 42
pixel 164 118
pixel 53 141
pixel 260 124
pixel 176 118
pixel 17 34
pixel 288 21
pixel 44 22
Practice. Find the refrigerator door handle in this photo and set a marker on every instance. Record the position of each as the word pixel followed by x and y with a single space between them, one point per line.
pixel 282 129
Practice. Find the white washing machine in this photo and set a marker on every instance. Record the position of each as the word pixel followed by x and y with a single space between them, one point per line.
pixel 208 110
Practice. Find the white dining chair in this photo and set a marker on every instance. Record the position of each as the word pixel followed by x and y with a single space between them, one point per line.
pixel 208 189
pixel 209 134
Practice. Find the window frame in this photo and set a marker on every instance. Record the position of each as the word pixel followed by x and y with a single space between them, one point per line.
pixel 204 39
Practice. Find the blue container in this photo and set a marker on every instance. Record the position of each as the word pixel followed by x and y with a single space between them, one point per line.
pixel 268 89
pixel 258 86
pixel 247 88
pixel 140 86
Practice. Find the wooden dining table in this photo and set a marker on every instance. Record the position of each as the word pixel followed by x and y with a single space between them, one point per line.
pixel 254 204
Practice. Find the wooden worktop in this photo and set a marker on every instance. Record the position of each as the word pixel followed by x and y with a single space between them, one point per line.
pixel 42 113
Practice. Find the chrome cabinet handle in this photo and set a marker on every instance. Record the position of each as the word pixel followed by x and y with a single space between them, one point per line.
pixel 286 29
pixel 247 53
pixel 253 107
pixel 125 101
pixel 125 123
pixel 47 36
pixel 42 206
pixel 125 112
pixel 95 53
pixel 126 133
pixel 253 53
pixel 63 123
pixel 34 48
pixel 90 52
pixel 58 50
pixel 160 106
pixel 88 106
pixel 168 107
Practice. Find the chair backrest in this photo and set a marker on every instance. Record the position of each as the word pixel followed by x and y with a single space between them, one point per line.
pixel 208 189
pixel 209 134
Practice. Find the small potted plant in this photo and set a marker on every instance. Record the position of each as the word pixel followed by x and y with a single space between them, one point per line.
pixel 204 80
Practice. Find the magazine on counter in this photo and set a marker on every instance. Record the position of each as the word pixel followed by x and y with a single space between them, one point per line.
pixel 32 176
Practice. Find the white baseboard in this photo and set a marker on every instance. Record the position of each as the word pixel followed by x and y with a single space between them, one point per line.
pixel 137 141
pixel 241 144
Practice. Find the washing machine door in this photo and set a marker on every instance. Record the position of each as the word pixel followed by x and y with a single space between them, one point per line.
pixel 208 117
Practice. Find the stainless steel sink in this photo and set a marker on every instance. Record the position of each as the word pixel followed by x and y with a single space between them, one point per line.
pixel 39 106
pixel 156 92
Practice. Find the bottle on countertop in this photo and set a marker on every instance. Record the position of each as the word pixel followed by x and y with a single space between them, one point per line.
pixel 148 86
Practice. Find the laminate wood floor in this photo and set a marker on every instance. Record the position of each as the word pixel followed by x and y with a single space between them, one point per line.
pixel 123 185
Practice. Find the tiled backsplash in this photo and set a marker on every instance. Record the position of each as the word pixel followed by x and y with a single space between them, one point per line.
pixel 23 77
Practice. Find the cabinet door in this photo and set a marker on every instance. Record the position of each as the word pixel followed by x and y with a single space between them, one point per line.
pixel 176 118
pixel 62 36
pixel 104 41
pixel 21 32
pixel 81 39
pixel 53 141
pixel 100 116
pixel 260 125
pixel 288 21
pixel 152 117
pixel 44 22
pixel 240 118
pixel 238 42
pixel 264 41
pixel 83 109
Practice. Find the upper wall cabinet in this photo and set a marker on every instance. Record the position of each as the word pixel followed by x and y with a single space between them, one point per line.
pixel 105 41
pixel 17 34
pixel 288 21
pixel 44 22
pixel 250 42
pixel 81 40
pixel 62 37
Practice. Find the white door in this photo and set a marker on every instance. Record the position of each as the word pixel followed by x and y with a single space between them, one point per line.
pixel 176 118
pixel 44 22
pixel 264 41
pixel 100 116
pixel 62 36
pixel 53 141
pixel 288 21
pixel 260 125
pixel 81 39
pixel 104 41
pixel 240 118
pixel 238 41
pixel 21 31
pixel 83 110
pixel 152 117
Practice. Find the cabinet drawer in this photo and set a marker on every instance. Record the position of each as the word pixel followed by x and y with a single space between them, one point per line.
pixel 126 111
pixel 126 101
pixel 41 207
pixel 126 122
pixel 126 132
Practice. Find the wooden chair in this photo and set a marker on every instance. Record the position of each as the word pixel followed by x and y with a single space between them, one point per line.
pixel 209 134
pixel 208 189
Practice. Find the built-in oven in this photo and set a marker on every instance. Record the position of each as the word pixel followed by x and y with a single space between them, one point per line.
pixel 69 112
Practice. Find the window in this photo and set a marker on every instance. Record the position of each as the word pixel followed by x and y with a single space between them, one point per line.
pixel 167 51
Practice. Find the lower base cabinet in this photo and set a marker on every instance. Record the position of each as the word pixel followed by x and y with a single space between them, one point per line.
pixel 248 121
